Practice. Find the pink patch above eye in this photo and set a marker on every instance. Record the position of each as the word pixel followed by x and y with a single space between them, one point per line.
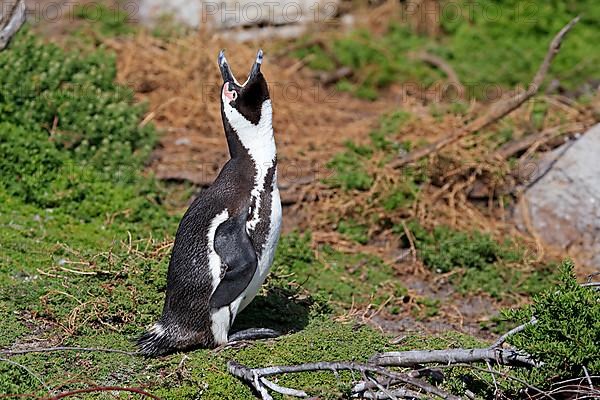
pixel 229 94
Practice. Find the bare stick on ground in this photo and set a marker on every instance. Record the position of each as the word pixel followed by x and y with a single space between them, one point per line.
pixel 381 383
pixel 446 68
pixel 67 348
pixel 498 110
pixel 102 389
pixel 451 356
pixel 513 331
pixel 11 22
pixel 255 376
pixel 24 368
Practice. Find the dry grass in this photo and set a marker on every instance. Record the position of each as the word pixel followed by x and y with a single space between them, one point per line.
pixel 181 82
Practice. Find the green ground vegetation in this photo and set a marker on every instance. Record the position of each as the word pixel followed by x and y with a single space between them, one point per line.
pixel 351 168
pixel 85 241
pixel 105 20
pixel 566 337
pixel 481 263
pixel 476 39
pixel 85 244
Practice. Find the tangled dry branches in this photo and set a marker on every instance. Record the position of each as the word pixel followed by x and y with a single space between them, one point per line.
pixel 379 382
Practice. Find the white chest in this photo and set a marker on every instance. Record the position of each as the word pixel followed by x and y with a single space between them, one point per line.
pixel 266 259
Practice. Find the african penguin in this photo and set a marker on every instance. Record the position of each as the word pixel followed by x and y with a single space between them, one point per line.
pixel 225 242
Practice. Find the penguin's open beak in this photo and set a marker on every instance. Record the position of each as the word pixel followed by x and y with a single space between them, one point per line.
pixel 256 66
pixel 228 75
pixel 224 67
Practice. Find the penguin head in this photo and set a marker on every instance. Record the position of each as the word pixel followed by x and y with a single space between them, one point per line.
pixel 245 101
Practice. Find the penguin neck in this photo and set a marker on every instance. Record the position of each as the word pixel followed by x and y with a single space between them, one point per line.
pixel 251 141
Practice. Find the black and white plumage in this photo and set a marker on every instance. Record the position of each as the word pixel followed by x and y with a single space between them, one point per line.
pixel 225 242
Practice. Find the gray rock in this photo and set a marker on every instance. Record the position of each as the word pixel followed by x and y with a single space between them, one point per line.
pixel 564 204
pixel 224 14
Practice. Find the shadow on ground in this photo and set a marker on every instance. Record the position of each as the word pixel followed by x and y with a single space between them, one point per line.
pixel 279 309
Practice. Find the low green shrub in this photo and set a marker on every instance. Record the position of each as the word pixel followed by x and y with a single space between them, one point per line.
pixel 483 264
pixel 73 98
pixel 445 249
pixel 566 337
pixel 70 136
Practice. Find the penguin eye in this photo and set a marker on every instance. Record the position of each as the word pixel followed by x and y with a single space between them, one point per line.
pixel 234 95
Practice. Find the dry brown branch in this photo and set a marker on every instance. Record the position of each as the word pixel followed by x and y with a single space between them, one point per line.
pixel 517 146
pixel 102 389
pixel 498 110
pixel 11 22
pixel 328 78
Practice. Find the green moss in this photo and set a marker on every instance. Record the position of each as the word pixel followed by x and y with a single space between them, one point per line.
pixel 350 172
pixel 388 126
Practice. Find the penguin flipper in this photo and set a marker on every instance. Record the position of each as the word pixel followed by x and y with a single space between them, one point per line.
pixel 233 245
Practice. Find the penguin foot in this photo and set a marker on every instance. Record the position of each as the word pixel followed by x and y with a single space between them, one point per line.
pixel 253 334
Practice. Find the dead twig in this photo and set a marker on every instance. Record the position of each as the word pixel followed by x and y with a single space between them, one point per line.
pixel 328 78
pixel 254 376
pixel 497 111
pixel 11 23
pixel 381 383
pixel 517 146
pixel 411 241
pixel 390 394
pixel 513 331
pixel 67 348
pixel 451 356
pixel 24 368
pixel 364 390
pixel 446 68
pixel 103 389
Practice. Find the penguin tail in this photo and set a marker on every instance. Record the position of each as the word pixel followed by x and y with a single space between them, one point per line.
pixel 155 342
